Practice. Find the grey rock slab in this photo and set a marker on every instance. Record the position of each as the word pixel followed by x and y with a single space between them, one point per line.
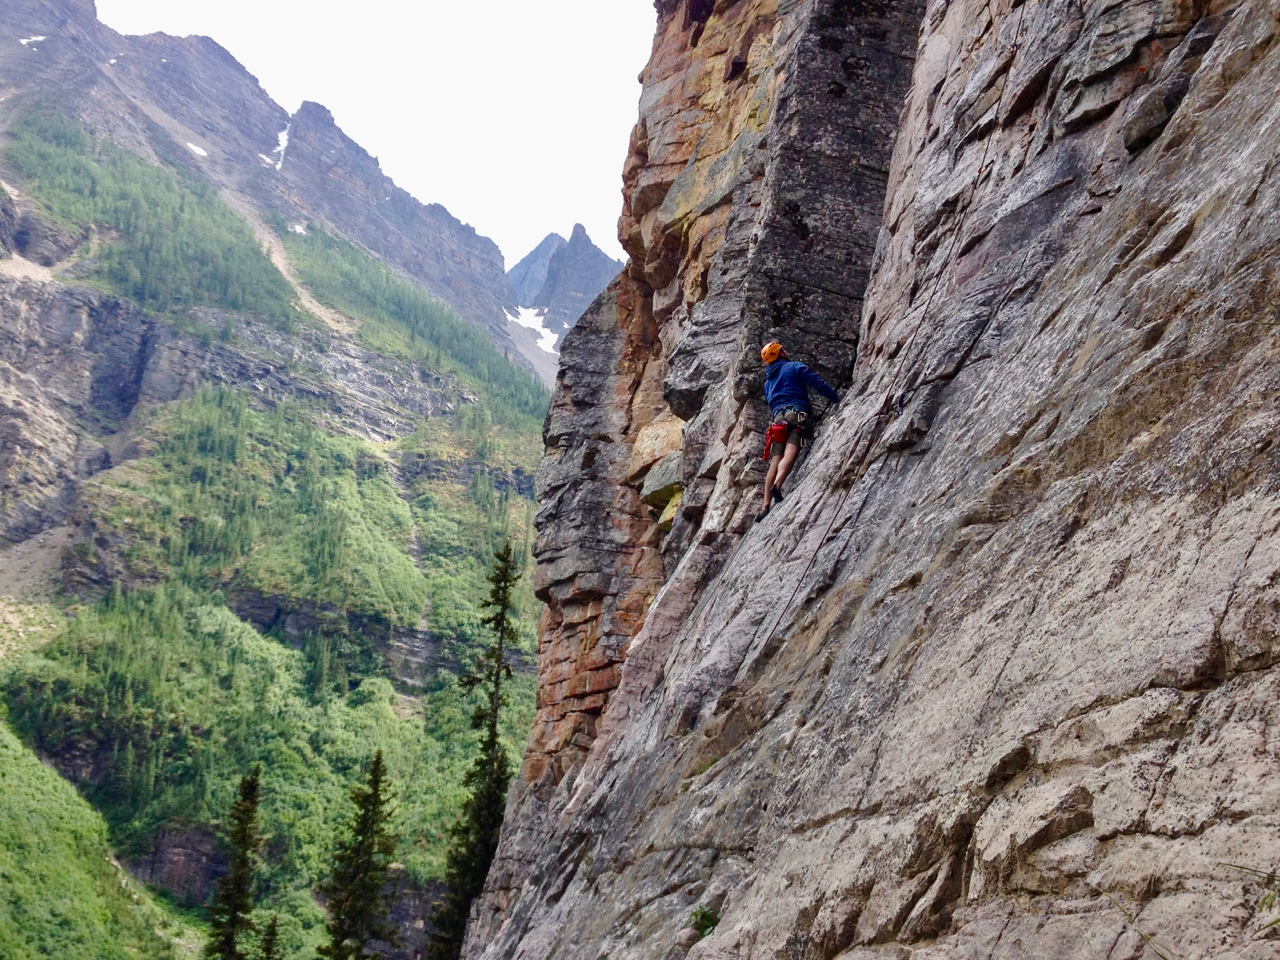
pixel 994 662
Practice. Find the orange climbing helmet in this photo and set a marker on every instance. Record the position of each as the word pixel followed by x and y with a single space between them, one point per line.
pixel 771 352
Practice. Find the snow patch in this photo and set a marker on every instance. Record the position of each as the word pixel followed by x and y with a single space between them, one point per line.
pixel 32 40
pixel 299 228
pixel 283 137
pixel 531 318
pixel 198 151
pixel 266 161
pixel 111 62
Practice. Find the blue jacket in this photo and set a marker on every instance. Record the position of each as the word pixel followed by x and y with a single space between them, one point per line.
pixel 786 384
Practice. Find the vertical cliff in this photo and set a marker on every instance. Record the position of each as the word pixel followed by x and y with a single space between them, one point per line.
pixel 752 193
pixel 999 677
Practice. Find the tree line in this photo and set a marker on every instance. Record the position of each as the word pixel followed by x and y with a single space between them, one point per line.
pixel 360 884
pixel 173 243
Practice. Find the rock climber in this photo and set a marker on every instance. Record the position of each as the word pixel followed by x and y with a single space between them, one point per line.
pixel 786 387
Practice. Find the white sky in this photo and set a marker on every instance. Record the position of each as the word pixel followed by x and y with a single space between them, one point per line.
pixel 514 114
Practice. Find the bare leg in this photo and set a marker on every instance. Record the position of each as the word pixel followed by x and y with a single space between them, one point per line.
pixel 769 477
pixel 788 461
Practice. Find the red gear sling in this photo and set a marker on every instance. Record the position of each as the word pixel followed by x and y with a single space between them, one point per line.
pixel 777 433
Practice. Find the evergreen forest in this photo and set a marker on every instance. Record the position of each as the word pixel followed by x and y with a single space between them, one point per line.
pixel 162 237
pixel 155 689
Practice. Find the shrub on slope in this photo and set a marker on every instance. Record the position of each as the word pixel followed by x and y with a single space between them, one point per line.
pixel 60 894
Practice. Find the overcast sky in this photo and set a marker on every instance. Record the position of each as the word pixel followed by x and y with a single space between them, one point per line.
pixel 514 114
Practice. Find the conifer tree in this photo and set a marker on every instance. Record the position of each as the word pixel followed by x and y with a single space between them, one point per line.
pixel 357 906
pixel 269 948
pixel 232 904
pixel 473 840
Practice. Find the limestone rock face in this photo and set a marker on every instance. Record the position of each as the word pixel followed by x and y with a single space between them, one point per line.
pixel 998 676
pixel 185 862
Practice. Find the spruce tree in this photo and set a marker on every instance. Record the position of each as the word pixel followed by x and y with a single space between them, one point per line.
pixel 357 905
pixel 473 840
pixel 233 902
pixel 269 948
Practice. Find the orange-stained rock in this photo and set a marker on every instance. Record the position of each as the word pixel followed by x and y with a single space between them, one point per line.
pixel 748 215
pixel 1001 676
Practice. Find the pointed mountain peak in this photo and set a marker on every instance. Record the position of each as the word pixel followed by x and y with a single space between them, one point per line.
pixel 528 276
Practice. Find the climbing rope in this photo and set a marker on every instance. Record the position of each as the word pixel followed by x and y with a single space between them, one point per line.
pixel 897 402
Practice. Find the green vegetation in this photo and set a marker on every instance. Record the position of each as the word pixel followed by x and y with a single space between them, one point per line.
pixel 231 914
pixel 61 895
pixel 158 688
pixel 176 697
pixel 26 626
pixel 399 319
pixel 234 497
pixel 231 498
pixel 357 888
pixel 269 946
pixel 173 243
pixel 473 840
pixel 704 920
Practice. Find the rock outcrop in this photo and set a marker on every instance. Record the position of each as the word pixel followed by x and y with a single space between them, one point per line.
pixel 184 862
pixel 998 678
pixel 528 276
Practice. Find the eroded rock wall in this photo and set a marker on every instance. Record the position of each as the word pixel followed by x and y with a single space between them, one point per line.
pixel 75 365
pixel 738 232
pixel 1002 669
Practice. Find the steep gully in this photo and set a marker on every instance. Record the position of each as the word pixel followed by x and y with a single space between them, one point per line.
pixel 1029 667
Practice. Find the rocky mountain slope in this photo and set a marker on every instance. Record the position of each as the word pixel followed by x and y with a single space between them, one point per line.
pixel 95 501
pixel 528 276
pixel 252 474
pixel 190 100
pixel 559 280
pixel 999 678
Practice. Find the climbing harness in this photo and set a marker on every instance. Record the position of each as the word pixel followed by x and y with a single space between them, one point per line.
pixel 785 422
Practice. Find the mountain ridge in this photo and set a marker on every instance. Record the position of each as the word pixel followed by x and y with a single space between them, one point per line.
pixel 216 121
pixel 557 281
pixel 261 469
pixel 530 273
pixel 577 273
